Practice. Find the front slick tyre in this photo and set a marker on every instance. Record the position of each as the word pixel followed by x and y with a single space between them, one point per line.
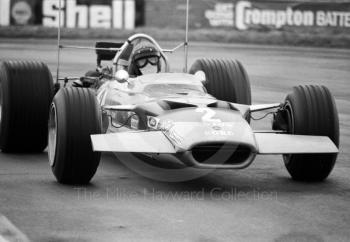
pixel 311 110
pixel 74 116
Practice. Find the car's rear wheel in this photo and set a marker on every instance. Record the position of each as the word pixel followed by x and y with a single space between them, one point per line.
pixel 26 91
pixel 311 110
pixel 74 116
pixel 227 80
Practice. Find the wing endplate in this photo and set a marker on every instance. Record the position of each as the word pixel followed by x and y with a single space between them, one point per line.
pixel 270 143
pixel 133 142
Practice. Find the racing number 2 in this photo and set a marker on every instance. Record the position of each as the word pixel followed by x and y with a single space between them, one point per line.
pixel 208 115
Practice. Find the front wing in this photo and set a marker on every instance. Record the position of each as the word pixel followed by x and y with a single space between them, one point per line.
pixel 156 142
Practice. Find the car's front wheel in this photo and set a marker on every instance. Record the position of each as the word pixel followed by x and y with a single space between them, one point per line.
pixel 74 116
pixel 311 110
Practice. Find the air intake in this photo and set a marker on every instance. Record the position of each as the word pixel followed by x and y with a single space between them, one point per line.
pixel 221 153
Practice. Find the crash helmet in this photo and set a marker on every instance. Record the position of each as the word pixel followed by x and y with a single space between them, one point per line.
pixel 145 60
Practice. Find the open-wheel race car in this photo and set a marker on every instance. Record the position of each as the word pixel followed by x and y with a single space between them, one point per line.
pixel 200 118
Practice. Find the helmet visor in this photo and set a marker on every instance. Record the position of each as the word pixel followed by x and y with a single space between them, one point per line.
pixel 153 60
pixel 140 63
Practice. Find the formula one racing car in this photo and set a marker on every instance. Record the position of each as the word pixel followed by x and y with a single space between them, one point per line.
pixel 201 117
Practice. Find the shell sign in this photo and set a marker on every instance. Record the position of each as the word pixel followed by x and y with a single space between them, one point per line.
pixel 118 14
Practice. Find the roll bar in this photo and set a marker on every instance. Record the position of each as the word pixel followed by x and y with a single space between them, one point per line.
pixel 125 45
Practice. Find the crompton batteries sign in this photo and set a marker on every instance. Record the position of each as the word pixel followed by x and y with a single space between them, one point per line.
pixel 90 14
pixel 246 14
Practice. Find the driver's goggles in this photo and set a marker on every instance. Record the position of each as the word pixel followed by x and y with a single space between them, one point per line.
pixel 143 62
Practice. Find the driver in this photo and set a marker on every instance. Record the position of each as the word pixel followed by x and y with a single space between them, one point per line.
pixel 145 60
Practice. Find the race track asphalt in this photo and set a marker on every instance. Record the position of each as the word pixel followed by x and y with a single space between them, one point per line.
pixel 260 203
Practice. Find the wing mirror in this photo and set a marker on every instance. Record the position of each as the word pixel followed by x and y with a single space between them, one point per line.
pixel 122 76
pixel 200 75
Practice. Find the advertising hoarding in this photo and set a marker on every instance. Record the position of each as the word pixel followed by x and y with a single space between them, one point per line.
pixel 118 14
pixel 246 15
pixel 228 14
pixel 249 14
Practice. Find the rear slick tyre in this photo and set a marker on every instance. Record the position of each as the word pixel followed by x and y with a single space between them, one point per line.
pixel 26 91
pixel 227 80
pixel 311 110
pixel 74 116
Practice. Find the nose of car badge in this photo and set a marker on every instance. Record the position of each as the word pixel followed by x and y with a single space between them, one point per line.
pixel 153 122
